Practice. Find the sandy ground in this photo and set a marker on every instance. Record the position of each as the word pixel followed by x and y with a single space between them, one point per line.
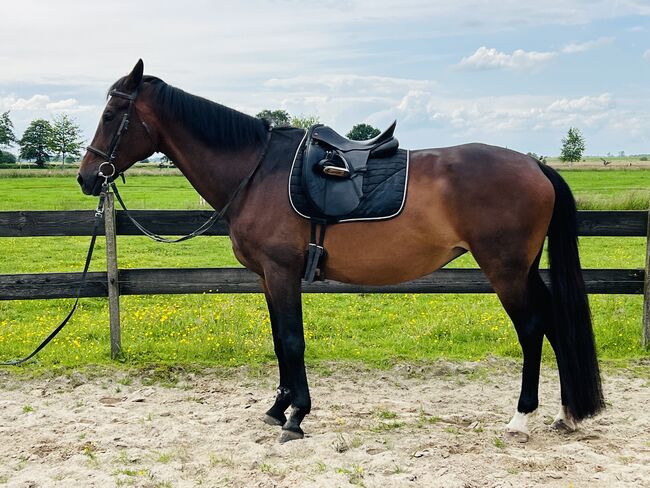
pixel 435 425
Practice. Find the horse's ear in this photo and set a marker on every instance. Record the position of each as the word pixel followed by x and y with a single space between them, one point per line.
pixel 135 76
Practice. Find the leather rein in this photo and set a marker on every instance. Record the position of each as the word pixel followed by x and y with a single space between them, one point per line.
pixel 109 159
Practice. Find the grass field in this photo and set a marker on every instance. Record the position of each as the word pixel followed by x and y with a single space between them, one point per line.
pixel 234 329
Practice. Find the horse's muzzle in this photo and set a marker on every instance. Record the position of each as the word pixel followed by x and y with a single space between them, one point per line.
pixel 90 185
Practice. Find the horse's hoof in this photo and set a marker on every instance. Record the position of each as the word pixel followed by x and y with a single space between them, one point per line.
pixel 291 435
pixel 270 420
pixel 563 427
pixel 517 435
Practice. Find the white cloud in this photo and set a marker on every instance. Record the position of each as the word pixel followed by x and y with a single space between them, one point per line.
pixel 421 104
pixel 350 83
pixel 41 102
pixel 489 58
pixel 646 55
pixel 36 102
pixel 485 117
pixel 485 58
pixel 586 46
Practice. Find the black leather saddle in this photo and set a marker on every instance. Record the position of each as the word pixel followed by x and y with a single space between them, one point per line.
pixel 334 167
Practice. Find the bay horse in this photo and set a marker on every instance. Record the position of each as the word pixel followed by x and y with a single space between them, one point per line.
pixel 496 203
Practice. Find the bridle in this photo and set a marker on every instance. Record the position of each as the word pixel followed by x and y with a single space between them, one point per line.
pixel 110 155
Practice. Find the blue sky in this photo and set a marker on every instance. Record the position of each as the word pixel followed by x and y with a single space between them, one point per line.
pixel 509 73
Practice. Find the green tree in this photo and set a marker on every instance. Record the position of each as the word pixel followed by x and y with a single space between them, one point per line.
pixel 65 138
pixel 363 132
pixel 7 158
pixel 35 142
pixel 573 145
pixel 7 136
pixel 277 118
pixel 304 121
pixel 541 159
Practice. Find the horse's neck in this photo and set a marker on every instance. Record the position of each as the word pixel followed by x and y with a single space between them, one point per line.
pixel 215 174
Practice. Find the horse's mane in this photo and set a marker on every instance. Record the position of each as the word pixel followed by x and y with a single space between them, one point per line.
pixel 213 123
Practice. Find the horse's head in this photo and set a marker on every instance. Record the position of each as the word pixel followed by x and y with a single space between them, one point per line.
pixel 122 136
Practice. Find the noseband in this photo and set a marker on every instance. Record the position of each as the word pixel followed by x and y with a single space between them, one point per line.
pixel 110 155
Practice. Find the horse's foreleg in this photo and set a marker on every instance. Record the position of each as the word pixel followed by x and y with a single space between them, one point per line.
pixel 284 295
pixel 275 415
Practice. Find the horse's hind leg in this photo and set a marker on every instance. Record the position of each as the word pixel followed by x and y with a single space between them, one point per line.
pixel 515 280
pixel 275 415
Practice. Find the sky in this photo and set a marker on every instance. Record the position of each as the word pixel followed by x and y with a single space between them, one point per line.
pixel 513 73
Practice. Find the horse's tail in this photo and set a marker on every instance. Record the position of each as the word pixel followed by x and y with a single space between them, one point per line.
pixel 575 348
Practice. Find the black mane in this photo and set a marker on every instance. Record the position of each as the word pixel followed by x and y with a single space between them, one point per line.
pixel 212 122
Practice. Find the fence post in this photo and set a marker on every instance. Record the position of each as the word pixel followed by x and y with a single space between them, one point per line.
pixel 112 274
pixel 646 291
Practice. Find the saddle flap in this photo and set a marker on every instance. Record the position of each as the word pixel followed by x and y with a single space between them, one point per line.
pixel 332 196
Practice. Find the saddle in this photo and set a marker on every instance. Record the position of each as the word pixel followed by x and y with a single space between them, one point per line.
pixel 332 179
pixel 334 168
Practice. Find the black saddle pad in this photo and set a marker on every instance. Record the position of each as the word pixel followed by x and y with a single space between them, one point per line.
pixel 384 189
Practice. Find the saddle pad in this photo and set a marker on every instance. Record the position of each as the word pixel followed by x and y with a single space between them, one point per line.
pixel 384 189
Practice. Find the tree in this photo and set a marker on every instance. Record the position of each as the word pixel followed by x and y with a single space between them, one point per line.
pixel 7 158
pixel 541 159
pixel 363 132
pixel 7 136
pixel 277 118
pixel 304 121
pixel 65 137
pixel 35 142
pixel 573 145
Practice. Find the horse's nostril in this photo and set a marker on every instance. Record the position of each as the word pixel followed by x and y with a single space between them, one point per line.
pixel 80 179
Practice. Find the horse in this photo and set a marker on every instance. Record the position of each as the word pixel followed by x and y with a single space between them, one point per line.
pixel 496 203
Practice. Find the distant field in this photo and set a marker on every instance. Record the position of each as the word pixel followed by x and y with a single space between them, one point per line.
pixel 234 329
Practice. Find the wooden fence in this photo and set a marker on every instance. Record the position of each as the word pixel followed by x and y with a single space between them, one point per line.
pixel 115 281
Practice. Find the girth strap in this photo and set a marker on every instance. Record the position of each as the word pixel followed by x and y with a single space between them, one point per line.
pixel 316 252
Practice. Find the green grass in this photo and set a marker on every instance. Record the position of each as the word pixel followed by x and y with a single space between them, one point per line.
pixel 235 330
pixel 612 189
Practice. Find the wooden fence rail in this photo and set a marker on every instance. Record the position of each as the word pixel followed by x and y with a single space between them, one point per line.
pixel 115 282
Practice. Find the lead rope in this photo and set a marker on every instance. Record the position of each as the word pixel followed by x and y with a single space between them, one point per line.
pixel 99 214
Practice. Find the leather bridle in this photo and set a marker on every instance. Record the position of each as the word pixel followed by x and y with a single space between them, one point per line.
pixel 111 154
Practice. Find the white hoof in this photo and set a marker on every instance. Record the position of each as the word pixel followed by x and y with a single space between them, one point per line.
pixel 517 428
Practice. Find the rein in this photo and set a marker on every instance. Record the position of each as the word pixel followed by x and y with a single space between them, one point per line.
pixel 99 214
pixel 208 224
pixel 109 158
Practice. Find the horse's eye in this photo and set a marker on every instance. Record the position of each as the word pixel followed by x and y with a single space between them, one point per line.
pixel 108 116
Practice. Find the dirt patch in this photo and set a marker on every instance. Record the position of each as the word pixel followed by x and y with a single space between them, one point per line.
pixel 434 425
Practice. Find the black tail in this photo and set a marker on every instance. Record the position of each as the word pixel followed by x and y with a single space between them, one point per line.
pixel 575 348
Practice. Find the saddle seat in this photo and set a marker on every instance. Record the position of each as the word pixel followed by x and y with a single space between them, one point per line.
pixel 329 136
